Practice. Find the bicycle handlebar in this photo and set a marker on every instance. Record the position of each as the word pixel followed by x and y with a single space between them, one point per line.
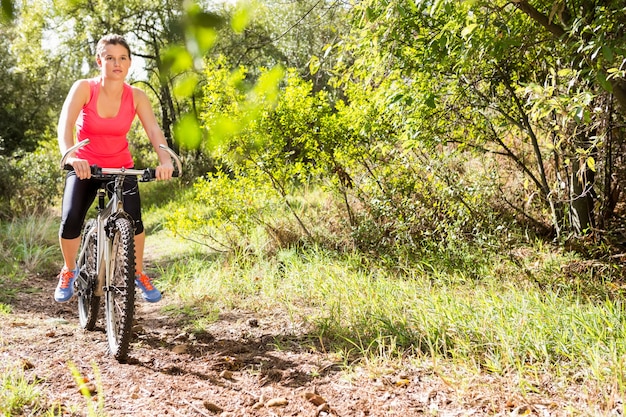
pixel 146 174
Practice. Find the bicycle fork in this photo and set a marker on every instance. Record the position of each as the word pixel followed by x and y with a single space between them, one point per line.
pixel 106 245
pixel 103 250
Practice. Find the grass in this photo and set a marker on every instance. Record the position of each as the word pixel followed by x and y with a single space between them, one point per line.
pixel 503 325
pixel 18 395
pixel 21 395
pixel 530 313
pixel 28 246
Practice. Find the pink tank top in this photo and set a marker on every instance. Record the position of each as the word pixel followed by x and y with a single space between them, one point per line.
pixel 108 142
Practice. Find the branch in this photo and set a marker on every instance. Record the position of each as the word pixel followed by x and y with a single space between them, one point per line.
pixel 514 157
pixel 618 86
pixel 539 17
pixel 528 127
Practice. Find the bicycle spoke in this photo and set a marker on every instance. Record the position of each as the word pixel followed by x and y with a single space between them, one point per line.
pixel 88 302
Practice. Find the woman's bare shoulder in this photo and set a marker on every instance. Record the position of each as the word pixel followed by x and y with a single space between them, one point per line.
pixel 81 90
pixel 139 96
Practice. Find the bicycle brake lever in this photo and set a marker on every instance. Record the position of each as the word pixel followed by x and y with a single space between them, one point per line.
pixel 148 174
pixel 72 149
pixel 176 159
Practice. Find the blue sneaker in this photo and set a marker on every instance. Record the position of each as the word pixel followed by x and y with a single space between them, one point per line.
pixel 150 293
pixel 65 287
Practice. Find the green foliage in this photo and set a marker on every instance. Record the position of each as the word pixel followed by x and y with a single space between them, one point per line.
pixel 8 178
pixel 466 78
pixel 226 211
pixel 396 196
pixel 17 393
pixel 291 35
pixel 31 182
pixel 39 181
pixel 28 90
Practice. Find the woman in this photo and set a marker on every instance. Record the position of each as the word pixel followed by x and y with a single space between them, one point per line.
pixel 103 109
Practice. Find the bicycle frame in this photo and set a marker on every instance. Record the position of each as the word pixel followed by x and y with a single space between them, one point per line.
pixel 104 250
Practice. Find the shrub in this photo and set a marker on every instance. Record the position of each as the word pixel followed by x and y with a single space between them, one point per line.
pixel 226 213
pixel 30 182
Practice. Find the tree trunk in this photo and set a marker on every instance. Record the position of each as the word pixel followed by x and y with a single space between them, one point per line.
pixel 582 181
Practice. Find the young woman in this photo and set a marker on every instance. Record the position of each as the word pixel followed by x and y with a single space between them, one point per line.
pixel 102 109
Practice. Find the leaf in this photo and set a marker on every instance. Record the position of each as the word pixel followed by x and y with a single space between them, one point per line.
pixel 223 128
pixel 582 114
pixel 176 59
pixel 467 30
pixel 435 7
pixel 205 38
pixel 327 50
pixel 314 398
pixel 187 132
pixel 565 72
pixel 240 19
pixel 8 11
pixel 199 18
pixel 202 29
pixel 314 65
pixel 186 86
pixel 430 101
pixel 277 402
pixel 606 85
pixel 403 383
pixel 591 163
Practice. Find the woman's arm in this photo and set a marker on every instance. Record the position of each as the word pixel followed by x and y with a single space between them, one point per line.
pixel 74 102
pixel 155 134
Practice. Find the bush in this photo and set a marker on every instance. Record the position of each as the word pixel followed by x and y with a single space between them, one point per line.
pixel 30 182
pixel 227 212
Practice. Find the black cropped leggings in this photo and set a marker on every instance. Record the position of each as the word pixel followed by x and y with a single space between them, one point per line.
pixel 80 194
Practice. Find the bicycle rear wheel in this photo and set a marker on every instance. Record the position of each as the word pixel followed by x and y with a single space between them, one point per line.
pixel 120 292
pixel 88 302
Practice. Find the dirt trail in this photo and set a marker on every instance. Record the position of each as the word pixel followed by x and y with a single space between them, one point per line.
pixel 243 366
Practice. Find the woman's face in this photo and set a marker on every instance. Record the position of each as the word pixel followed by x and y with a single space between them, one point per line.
pixel 114 62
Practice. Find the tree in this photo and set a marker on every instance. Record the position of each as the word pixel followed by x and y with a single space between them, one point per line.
pixel 29 90
pixel 506 86
pixel 293 34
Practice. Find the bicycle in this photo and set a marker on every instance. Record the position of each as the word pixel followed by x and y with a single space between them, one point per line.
pixel 106 258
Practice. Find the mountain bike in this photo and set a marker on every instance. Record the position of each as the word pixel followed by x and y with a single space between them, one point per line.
pixel 106 257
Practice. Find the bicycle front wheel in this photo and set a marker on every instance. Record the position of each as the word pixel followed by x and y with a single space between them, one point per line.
pixel 120 292
pixel 88 302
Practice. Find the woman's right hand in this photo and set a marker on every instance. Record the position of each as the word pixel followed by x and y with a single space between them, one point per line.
pixel 81 167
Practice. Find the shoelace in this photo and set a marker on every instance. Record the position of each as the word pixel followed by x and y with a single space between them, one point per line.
pixel 66 276
pixel 146 281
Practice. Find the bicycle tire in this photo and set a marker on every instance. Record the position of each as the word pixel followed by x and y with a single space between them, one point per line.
pixel 88 302
pixel 120 292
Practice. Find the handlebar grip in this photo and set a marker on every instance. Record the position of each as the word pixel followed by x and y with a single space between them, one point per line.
pixel 150 174
pixel 95 169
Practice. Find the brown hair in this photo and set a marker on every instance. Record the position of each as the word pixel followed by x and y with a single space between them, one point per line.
pixel 112 40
